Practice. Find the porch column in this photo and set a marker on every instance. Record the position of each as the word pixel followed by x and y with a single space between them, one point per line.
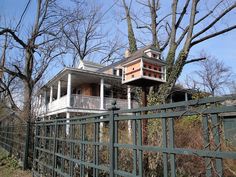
pixel 40 100
pixel 129 107
pixel 67 123
pixel 51 94
pixel 186 96
pixel 129 97
pixel 45 97
pixel 59 89
pixel 68 89
pixel 102 94
pixel 45 101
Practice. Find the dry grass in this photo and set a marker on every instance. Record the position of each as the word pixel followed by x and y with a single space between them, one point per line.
pixel 9 166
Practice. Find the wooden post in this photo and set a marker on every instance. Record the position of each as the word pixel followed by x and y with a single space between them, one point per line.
pixel 144 129
pixel 145 121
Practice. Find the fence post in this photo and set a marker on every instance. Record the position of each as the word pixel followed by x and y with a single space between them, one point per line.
pixel 112 138
pixel 26 149
pixel 206 145
pixel 54 148
pixel 216 137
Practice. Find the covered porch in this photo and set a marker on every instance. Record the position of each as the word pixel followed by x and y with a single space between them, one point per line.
pixel 84 91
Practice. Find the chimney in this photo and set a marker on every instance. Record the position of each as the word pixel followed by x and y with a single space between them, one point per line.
pixel 127 53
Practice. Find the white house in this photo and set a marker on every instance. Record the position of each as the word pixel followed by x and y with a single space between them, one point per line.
pixel 91 88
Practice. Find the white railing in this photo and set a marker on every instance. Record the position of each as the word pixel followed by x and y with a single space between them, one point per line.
pixel 58 104
pixel 120 103
pixel 84 102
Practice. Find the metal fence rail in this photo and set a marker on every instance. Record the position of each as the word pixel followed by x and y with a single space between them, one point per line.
pixel 94 145
pixel 17 138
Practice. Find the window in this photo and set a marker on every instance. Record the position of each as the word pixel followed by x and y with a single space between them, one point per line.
pixel 133 68
pixel 114 71
pixel 149 75
pixel 154 55
pixel 132 76
pixel 155 68
pixel 150 67
pixel 120 72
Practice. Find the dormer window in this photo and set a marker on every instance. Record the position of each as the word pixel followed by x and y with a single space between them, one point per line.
pixel 120 72
pixel 154 55
pixel 114 71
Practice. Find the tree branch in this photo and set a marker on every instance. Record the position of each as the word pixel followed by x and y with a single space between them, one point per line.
pixel 194 60
pixel 182 13
pixel 213 35
pixel 15 37
pixel 215 21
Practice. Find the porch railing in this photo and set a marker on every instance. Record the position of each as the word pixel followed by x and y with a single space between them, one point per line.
pixel 84 102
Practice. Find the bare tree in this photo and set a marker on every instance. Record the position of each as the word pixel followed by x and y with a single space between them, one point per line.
pixel 84 34
pixel 233 87
pixel 191 83
pixel 213 75
pixel 36 50
pixel 177 31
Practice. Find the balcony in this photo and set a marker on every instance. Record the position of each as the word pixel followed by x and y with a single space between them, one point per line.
pixel 85 103
pixel 93 102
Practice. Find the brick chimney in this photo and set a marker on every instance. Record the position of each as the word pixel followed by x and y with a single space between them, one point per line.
pixel 127 53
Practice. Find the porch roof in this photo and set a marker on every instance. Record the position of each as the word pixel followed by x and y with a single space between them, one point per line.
pixel 80 76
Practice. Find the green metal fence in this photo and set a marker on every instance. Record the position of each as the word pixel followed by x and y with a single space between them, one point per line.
pixel 16 136
pixel 96 146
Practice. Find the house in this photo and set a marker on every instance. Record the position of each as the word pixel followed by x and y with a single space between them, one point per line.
pixel 91 87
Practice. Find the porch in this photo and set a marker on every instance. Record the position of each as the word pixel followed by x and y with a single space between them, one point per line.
pixel 81 91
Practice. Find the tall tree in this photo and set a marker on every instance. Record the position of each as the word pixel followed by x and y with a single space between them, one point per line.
pixel 37 49
pixel 131 36
pixel 184 27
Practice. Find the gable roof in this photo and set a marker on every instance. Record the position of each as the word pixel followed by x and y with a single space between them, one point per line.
pixel 91 63
pixel 133 56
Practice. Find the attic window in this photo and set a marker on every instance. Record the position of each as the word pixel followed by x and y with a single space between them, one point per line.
pixel 154 55
pixel 120 72
pixel 114 71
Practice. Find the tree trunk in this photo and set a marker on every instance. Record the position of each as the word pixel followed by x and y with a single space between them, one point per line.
pixel 155 40
pixel 131 37
pixel 165 89
pixel 26 112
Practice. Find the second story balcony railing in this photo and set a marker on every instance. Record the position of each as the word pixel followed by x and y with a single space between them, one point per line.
pixel 84 102
pixel 93 102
